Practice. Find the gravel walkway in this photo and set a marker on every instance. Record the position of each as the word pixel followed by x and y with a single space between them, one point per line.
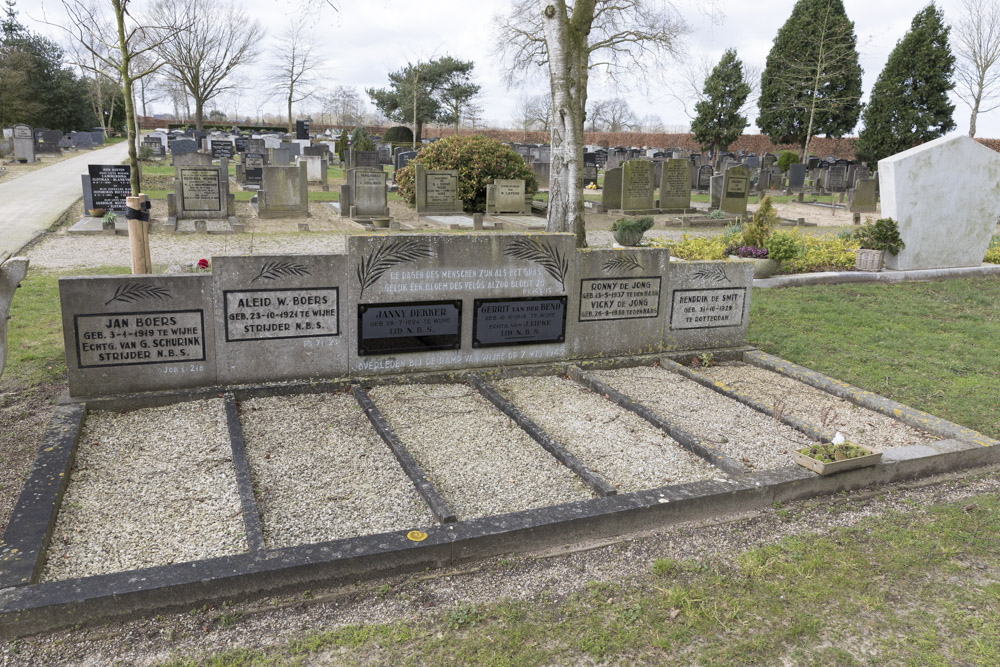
pixel 742 433
pixel 480 461
pixel 149 487
pixel 625 449
pixel 859 425
pixel 321 472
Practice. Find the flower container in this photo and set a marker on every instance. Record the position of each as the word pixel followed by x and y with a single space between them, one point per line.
pixel 868 260
pixel 96 212
pixel 762 268
pixel 629 237
pixel 827 468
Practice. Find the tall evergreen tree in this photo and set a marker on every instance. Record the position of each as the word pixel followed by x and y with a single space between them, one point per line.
pixel 811 83
pixel 718 122
pixel 909 103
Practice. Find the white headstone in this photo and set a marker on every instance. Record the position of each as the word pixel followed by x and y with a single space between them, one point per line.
pixel 945 195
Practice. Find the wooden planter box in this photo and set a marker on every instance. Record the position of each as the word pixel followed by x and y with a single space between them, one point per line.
pixel 868 260
pixel 822 468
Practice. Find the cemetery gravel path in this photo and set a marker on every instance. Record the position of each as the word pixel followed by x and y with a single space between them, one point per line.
pixel 34 202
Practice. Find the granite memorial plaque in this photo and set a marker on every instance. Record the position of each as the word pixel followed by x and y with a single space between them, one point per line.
pixel 241 143
pixel 110 184
pixel 709 304
pixel 222 148
pixel 735 191
pixel 675 185
pixel 201 189
pixel 637 185
pixel 406 327
pixel 707 308
pixel 524 321
pixel 619 298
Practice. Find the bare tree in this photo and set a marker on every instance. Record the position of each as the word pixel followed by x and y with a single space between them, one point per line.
pixel 204 58
pixel 126 45
pixel 294 70
pixel 345 105
pixel 651 123
pixel 977 45
pixel 104 83
pixel 521 117
pixel 612 115
pixel 540 111
pixel 615 37
pixel 688 85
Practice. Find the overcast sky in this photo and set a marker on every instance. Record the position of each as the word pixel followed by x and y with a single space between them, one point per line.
pixel 372 37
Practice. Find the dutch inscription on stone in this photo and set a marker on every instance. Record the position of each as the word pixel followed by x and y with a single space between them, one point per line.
pixel 130 339
pixel 110 185
pixel 281 313
pixel 442 189
pixel 619 298
pixel 371 179
pixel 201 188
pixel 222 149
pixel 707 308
pixel 527 321
pixel 397 328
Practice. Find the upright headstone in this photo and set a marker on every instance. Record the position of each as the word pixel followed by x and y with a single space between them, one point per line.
pixel 222 148
pixel 24 143
pixel 82 140
pixel 284 193
pixel 437 191
pixel 155 146
pixel 505 196
pixel 543 173
pixel 253 170
pixel 705 173
pixel 108 185
pixel 715 190
pixel 181 146
pixel 281 157
pixel 363 159
pixel 796 175
pixel 836 179
pixel 637 186
pixel 302 129
pixel 370 194
pixel 201 192
pixel 675 185
pixel 589 169
pixel 256 145
pixel 241 144
pixel 735 191
pixel 863 197
pixel 611 195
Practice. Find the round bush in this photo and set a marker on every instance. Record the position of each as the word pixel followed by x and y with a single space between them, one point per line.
pixel 786 159
pixel 781 246
pixel 400 134
pixel 478 159
pixel 361 140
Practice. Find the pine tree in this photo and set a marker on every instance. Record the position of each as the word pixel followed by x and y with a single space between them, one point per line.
pixel 718 122
pixel 909 103
pixel 811 83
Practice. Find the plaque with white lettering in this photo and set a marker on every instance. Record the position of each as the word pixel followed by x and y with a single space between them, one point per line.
pixel 619 298
pixel 527 321
pixel 134 339
pixel 281 313
pixel 418 326
pixel 201 189
pixel 708 308
pixel 110 184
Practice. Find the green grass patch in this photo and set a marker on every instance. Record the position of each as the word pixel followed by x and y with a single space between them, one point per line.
pixel 901 588
pixel 929 345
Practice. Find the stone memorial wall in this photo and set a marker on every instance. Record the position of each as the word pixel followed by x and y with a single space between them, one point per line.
pixel 395 304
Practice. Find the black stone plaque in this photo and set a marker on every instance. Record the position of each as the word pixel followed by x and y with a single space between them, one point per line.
pixel 253 169
pixel 525 321
pixel 416 326
pixel 222 149
pixel 110 184
pixel 242 143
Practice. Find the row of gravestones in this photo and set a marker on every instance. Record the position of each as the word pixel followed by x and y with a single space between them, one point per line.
pixel 27 142
pixel 630 188
pixel 395 305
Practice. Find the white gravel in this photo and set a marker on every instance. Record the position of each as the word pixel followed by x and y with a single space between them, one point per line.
pixel 756 440
pixel 321 472
pixel 623 448
pixel 149 487
pixel 479 460
pixel 859 425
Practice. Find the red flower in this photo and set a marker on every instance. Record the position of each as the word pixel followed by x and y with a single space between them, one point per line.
pixel 202 263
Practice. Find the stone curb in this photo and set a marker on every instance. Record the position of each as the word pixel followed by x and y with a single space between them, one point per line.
pixel 251 516
pixel 885 276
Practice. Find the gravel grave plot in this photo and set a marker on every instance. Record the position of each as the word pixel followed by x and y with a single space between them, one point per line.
pixel 321 472
pixel 625 449
pixel 753 438
pixel 479 460
pixel 150 487
pixel 859 425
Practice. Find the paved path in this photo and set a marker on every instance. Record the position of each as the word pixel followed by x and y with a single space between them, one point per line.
pixel 31 203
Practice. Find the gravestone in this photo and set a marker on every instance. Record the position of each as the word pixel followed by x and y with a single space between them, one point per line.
pixel 752 161
pixel 403 159
pixel 348 188
pixel 280 317
pixel 863 197
pixel 320 150
pixel 280 157
pixel 241 143
pixel 715 190
pixel 316 169
pixel 705 173
pixel 253 170
pixel 192 160
pixel 155 146
pixel 611 195
pixel 836 178
pixel 709 304
pixel 369 195
pixel 589 169
pixel 459 301
pixel 82 140
pixel 437 191
pixel 542 173
pixel 182 146
pixel 271 141
pixel 675 186
pixel 735 191
pixel 284 193
pixel 768 160
pixel 12 272
pixel 506 196
pixel 97 136
pixel 302 129
pixel 637 186
pixel 222 148
pixel 201 192
pixel 796 175
pixel 623 304
pixel 52 137
pixel 945 222
pixel 106 186
pixel 24 143
pixel 256 145
pixel 358 159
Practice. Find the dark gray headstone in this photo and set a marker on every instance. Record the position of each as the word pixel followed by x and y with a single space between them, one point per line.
pixel 705 174
pixel 241 144
pixel 796 175
pixel 110 184
pixel 178 146
pixel 222 149
pixel 82 140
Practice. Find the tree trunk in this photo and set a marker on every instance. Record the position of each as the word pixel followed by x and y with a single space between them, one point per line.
pixel 417 133
pixel 975 112
pixel 566 39
pixel 133 158
pixel 199 113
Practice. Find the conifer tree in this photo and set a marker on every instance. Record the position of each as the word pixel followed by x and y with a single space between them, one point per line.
pixel 718 122
pixel 811 83
pixel 909 103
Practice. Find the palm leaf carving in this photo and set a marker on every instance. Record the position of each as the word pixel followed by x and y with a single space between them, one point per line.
pixel 544 254
pixel 132 292
pixel 388 255
pixel 626 262
pixel 275 270
pixel 713 273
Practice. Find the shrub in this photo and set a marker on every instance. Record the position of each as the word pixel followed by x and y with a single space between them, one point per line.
pixel 781 246
pixel 993 251
pixel 786 159
pixel 756 232
pixel 820 253
pixel 361 140
pixel 693 247
pixel 883 234
pixel 399 134
pixel 478 159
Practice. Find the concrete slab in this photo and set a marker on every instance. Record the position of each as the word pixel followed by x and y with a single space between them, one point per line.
pixel 885 276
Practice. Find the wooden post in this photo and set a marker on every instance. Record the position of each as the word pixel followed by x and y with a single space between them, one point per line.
pixel 138 233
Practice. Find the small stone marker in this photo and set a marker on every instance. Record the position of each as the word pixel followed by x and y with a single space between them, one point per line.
pixel 637 186
pixel 437 191
pixel 611 195
pixel 675 186
pixel 506 196
pixel 709 304
pixel 735 191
